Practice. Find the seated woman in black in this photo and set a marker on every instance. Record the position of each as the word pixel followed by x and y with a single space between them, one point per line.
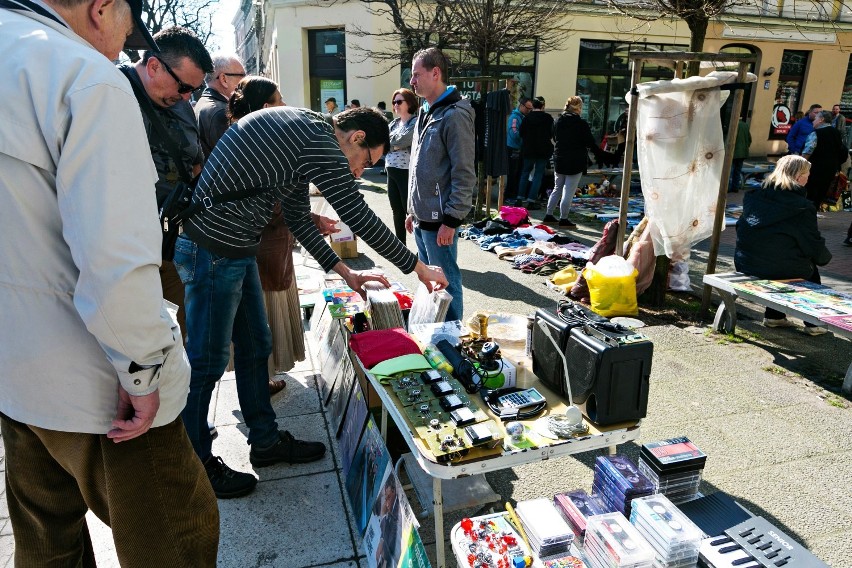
pixel 777 233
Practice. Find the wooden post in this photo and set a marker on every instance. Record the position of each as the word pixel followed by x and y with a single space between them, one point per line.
pixel 488 196
pixel 731 141
pixel 501 189
pixel 629 144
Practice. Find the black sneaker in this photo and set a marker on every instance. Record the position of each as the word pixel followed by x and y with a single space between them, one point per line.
pixel 848 242
pixel 288 449
pixel 532 206
pixel 566 224
pixel 226 482
pixel 549 219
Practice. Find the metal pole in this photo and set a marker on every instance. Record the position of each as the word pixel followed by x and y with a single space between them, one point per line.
pixel 730 142
pixel 629 144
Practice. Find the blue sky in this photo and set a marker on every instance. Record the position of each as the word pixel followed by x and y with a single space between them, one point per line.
pixel 222 16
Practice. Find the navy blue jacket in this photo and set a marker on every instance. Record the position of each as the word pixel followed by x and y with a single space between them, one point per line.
pixel 777 235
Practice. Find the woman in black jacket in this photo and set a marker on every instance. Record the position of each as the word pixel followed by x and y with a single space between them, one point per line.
pixel 777 233
pixel 570 158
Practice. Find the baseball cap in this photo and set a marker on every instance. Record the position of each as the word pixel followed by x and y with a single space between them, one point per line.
pixel 141 37
pixel 331 100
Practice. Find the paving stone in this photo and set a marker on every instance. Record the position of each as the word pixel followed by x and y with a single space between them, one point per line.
pixel 298 397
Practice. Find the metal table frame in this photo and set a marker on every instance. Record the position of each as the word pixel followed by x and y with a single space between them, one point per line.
pixel 725 320
pixel 439 471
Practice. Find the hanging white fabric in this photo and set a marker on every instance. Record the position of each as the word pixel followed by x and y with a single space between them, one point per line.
pixel 681 153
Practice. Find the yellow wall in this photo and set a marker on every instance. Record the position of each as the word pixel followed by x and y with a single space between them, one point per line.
pixel 556 71
pixel 291 23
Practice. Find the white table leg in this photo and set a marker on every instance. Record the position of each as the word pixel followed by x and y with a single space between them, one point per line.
pixel 726 314
pixel 847 382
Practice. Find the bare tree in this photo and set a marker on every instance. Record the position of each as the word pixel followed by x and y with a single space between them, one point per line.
pixel 480 31
pixel 192 14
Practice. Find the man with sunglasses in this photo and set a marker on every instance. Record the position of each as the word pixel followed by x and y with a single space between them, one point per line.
pixel 212 108
pixel 168 78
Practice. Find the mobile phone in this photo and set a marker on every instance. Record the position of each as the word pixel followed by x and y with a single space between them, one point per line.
pixel 520 399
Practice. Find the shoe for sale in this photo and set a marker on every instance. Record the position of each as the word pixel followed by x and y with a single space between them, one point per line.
pixel 778 322
pixel 287 449
pixel 549 219
pixel 848 242
pixel 808 330
pixel 227 483
pixel 276 386
pixel 566 224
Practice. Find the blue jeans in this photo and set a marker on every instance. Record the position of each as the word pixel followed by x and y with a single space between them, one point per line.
pixel 525 189
pixel 224 303
pixel 447 258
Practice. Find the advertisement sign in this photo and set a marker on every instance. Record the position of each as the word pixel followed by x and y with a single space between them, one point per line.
pixel 781 120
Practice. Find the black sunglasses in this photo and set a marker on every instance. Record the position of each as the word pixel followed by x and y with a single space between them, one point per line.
pixel 399 102
pixel 183 88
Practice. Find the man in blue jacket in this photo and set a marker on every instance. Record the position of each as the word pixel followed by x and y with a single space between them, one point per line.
pixel 442 178
pixel 513 142
pixel 800 130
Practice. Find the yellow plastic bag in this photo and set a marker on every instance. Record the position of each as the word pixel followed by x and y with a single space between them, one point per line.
pixel 611 295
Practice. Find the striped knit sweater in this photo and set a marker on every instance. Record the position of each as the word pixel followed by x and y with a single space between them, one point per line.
pixel 283 149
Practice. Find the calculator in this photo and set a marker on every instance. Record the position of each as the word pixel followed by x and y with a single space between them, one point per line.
pixel 520 399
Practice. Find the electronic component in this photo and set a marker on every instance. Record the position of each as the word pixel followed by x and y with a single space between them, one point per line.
pixel 463 416
pixel 431 376
pixel 442 388
pixel 451 402
pixel 478 434
pixel 520 399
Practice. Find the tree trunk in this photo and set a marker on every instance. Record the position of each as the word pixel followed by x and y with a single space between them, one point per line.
pixel 698 31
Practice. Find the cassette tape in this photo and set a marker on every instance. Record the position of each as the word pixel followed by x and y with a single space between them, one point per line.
pixel 664 519
pixel 612 536
pixel 577 507
pixel 673 454
pixel 624 474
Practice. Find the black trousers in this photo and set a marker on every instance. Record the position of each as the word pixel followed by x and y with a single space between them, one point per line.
pixel 513 179
pixel 775 314
pixel 398 197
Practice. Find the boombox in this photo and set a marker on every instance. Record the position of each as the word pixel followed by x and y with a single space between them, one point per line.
pixel 609 366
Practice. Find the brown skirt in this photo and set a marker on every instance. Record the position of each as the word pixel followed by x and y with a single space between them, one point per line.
pixel 285 322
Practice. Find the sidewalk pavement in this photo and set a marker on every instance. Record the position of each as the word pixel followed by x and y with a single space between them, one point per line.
pixel 775 441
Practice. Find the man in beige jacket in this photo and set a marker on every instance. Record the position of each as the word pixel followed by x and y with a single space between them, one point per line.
pixel 92 370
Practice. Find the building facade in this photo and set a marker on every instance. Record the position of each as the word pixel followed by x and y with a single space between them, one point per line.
pixel 802 47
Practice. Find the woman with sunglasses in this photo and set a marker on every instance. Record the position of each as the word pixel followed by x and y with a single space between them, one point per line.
pixel 405 107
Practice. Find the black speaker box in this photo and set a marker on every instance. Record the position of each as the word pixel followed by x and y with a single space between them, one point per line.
pixel 546 359
pixel 609 372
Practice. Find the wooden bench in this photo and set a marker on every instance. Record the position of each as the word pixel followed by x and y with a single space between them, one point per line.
pixel 733 285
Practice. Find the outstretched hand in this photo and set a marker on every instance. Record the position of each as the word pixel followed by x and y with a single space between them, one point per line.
pixel 135 415
pixel 325 225
pixel 431 276
pixel 356 279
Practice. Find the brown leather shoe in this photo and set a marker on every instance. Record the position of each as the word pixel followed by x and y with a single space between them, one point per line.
pixel 276 386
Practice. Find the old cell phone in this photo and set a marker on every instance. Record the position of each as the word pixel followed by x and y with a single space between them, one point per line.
pixel 462 416
pixel 520 399
pixel 451 402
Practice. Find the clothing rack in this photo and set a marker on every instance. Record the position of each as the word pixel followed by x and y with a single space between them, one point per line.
pixel 679 58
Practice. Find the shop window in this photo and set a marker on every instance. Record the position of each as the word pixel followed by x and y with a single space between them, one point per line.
pixel 327 67
pixel 603 78
pixel 788 94
pixel 748 92
pixel 846 97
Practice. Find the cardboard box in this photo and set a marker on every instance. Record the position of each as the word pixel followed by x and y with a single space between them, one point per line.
pixel 345 249
pixel 344 242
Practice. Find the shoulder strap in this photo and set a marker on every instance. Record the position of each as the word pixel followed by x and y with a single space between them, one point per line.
pixel 32 7
pixel 157 124
pixel 208 202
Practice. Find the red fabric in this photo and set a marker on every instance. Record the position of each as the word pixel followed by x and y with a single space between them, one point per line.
pixel 546 229
pixel 405 300
pixel 373 347
pixel 513 215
